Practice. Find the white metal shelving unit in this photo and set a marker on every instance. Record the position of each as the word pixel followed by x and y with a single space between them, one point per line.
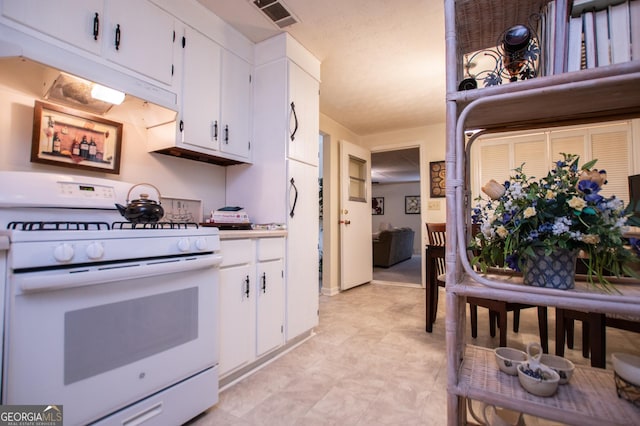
pixel 593 95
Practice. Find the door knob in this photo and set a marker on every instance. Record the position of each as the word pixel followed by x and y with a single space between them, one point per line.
pixel 346 222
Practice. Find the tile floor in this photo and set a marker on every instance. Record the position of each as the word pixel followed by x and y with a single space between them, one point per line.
pixel 370 363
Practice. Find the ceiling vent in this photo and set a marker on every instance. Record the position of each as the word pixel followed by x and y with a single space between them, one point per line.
pixel 277 12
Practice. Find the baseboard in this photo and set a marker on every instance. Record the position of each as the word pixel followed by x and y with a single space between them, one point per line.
pixel 236 376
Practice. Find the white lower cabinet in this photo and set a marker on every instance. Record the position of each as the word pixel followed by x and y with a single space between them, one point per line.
pixel 252 300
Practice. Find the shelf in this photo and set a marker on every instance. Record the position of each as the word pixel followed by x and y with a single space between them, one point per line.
pixel 586 96
pixel 588 399
pixel 597 94
pixel 625 300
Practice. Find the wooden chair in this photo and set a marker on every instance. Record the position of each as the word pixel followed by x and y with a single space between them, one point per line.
pixel 435 269
pixel 594 332
pixel 498 309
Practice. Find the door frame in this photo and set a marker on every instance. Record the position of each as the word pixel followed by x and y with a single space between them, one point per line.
pixel 424 193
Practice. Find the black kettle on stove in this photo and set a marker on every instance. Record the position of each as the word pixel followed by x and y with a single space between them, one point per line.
pixel 142 210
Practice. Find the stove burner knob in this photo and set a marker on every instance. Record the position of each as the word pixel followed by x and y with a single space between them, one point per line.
pixel 183 244
pixel 63 252
pixel 95 251
pixel 201 244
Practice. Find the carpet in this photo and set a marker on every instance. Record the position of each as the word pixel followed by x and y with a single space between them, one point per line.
pixel 407 271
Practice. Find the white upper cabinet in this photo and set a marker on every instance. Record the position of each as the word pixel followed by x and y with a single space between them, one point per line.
pixel 236 105
pixel 77 22
pixel 199 118
pixel 140 36
pixel 304 115
pixel 136 35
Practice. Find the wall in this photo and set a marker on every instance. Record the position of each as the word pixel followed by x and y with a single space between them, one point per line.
pixel 430 139
pixel 432 144
pixel 174 177
pixel 394 213
pixel 333 133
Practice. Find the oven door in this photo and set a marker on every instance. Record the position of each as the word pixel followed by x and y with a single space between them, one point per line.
pixel 131 330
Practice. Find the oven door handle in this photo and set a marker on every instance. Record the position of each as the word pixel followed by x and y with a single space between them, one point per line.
pixel 35 282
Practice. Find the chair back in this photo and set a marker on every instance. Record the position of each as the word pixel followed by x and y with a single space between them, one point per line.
pixel 435 251
pixel 437 234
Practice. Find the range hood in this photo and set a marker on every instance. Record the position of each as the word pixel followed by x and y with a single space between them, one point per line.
pixel 52 85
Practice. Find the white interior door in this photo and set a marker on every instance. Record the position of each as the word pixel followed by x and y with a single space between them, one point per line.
pixel 355 216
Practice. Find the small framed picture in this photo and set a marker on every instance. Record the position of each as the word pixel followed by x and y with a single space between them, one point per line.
pixel 377 205
pixel 70 138
pixel 437 175
pixel 412 204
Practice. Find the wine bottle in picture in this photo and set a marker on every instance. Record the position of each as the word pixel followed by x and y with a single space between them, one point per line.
pixel 93 148
pixel 84 148
pixel 56 143
pixel 75 148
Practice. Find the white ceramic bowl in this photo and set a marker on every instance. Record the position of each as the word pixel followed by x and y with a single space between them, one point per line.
pixel 508 359
pixel 544 386
pixel 560 365
pixel 627 366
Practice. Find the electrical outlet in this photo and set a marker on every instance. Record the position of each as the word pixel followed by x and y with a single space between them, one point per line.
pixel 433 205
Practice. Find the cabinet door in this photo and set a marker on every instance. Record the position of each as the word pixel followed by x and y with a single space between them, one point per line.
pixel 302 250
pixel 236 101
pixel 71 21
pixel 200 119
pixel 237 307
pixel 304 115
pixel 140 36
pixel 270 310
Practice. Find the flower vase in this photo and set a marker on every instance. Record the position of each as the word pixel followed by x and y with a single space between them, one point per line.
pixel 558 270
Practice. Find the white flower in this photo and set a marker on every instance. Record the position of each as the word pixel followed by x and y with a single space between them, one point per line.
pixel 493 189
pixel 529 211
pixel 591 239
pixel 502 231
pixel 577 203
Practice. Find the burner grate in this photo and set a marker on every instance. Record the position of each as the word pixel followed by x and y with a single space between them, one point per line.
pixel 156 225
pixel 57 226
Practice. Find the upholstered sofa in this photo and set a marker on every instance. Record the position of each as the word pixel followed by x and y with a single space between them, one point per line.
pixel 392 246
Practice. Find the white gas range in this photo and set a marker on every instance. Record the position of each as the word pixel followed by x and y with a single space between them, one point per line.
pixel 116 322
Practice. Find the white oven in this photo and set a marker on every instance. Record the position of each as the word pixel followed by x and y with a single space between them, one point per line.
pixel 119 326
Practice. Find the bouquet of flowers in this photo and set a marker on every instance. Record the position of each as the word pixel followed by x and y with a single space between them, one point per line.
pixel 563 210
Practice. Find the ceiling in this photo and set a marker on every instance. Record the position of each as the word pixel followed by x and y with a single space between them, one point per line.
pixel 398 166
pixel 382 61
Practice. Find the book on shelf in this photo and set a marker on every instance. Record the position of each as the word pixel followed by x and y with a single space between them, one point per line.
pixel 589 31
pixel 581 6
pixel 603 54
pixel 560 37
pixel 574 48
pixel 620 33
pixel 547 43
pixel 634 23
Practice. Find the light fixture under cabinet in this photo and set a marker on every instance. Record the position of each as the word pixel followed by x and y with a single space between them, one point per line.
pixel 83 94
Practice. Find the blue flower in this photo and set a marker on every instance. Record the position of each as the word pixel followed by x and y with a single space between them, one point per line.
pixel 590 190
pixel 512 262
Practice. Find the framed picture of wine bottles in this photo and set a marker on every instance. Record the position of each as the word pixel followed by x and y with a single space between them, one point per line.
pixel 71 138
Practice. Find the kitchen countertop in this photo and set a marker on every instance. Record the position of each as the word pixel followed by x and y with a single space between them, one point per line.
pixel 234 235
